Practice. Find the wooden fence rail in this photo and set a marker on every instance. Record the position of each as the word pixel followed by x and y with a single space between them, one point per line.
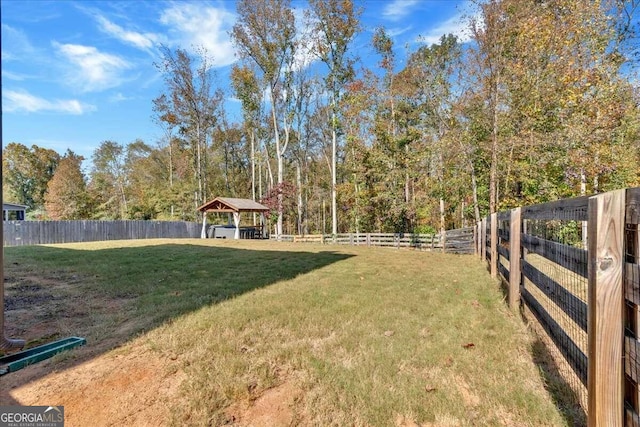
pixel 574 267
pixel 20 233
pixel 456 241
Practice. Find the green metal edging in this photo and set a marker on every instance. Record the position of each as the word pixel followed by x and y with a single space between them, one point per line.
pixel 19 360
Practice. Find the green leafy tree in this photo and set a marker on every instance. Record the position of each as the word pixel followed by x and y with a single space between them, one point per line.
pixel 26 172
pixel 109 180
pixel 147 193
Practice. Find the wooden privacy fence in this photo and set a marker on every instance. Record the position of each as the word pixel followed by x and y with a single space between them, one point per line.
pixel 454 241
pixel 20 233
pixel 574 267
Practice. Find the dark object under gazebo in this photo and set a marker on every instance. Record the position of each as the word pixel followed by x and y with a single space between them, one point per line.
pixel 233 207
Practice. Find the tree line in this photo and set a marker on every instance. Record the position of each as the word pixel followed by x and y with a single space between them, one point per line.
pixel 542 103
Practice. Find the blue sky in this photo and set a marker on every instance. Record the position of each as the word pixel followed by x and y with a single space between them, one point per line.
pixel 76 73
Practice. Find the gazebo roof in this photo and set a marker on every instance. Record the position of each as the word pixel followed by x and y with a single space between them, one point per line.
pixel 229 204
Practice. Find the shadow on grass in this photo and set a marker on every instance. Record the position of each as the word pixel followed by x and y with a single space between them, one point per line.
pixel 557 385
pixel 111 295
pixel 556 378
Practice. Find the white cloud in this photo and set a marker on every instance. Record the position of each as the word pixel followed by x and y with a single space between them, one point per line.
pixel 143 41
pixel 398 9
pixel 14 76
pixel 15 44
pixel 21 101
pixel 303 56
pixel 92 70
pixel 394 32
pixel 456 25
pixel 195 24
pixel 119 97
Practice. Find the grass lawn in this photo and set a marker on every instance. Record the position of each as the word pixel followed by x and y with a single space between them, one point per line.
pixel 333 335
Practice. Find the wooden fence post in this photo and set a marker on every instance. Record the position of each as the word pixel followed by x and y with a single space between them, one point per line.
pixel 476 239
pixel 515 275
pixel 494 245
pixel 605 309
pixel 483 239
pixel 443 239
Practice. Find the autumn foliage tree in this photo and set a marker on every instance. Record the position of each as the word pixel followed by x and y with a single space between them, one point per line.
pixel 66 196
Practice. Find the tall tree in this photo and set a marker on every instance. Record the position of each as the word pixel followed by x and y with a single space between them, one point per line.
pixel 147 194
pixel 491 35
pixel 26 172
pixel 266 33
pixel 307 89
pixel 436 67
pixel 336 23
pixel 168 121
pixel 109 180
pixel 192 105
pixel 248 89
pixel 66 196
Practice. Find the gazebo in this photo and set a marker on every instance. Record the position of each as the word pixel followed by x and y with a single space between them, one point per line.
pixel 232 206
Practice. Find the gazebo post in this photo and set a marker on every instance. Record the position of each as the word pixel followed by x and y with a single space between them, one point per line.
pixel 236 220
pixel 203 233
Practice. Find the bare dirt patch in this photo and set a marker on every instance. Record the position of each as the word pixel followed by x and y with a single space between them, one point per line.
pixel 40 309
pixel 132 387
pixel 97 386
pixel 274 408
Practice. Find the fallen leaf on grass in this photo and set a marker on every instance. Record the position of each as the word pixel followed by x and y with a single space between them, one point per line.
pixel 468 345
pixel 388 333
pixel 475 303
pixel 429 389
